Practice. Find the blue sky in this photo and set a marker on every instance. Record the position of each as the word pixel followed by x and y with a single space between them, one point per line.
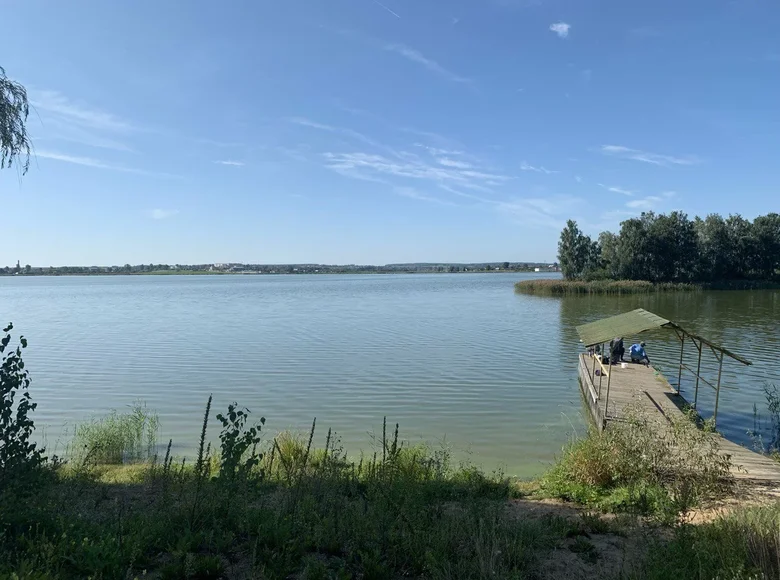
pixel 354 131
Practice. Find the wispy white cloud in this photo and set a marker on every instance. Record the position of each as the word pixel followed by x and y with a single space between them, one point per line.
pixel 447 162
pixel 386 8
pixel 65 120
pixel 540 169
pixel 616 189
pixel 221 144
pixel 412 193
pixel 436 151
pixel 647 157
pixel 551 212
pixel 230 162
pixel 55 103
pixel 86 161
pixel 561 29
pixel 96 163
pixel 645 203
pixel 668 194
pixel 363 165
pixel 161 214
pixel 454 20
pixel 431 65
pixel 578 179
pixel 303 122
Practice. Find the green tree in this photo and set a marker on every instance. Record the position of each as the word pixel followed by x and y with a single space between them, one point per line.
pixel 742 244
pixel 27 269
pixel 674 248
pixel 14 108
pixel 610 258
pixel 633 251
pixel 766 240
pixel 716 254
pixel 574 251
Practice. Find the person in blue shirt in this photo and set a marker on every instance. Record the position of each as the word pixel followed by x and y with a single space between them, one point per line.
pixel 638 354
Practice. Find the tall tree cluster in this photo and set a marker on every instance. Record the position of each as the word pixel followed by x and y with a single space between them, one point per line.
pixel 673 248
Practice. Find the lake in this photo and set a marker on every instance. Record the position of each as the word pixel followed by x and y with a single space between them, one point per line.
pixel 456 359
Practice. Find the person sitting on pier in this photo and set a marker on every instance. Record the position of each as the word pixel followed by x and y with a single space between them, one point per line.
pixel 617 350
pixel 638 354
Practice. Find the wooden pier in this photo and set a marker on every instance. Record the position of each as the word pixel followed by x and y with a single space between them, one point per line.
pixel 642 387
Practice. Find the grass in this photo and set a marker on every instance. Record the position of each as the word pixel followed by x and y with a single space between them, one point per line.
pixel 117 438
pixel 551 287
pixel 295 506
pixel 557 287
pixel 744 544
pixel 302 511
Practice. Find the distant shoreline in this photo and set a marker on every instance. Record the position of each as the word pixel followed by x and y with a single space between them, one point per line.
pixel 329 271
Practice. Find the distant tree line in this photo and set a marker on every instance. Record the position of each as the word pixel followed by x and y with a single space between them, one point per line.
pixel 673 248
pixel 238 268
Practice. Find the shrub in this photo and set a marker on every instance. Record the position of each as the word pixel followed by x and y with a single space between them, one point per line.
pixel 632 466
pixel 17 453
pixel 238 443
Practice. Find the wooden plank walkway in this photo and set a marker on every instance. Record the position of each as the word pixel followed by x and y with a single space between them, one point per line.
pixel 643 387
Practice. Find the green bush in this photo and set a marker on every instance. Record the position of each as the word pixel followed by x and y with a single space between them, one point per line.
pixel 18 454
pixel 632 466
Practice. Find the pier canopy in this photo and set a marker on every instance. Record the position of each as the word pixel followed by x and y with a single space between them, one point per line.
pixel 626 324
pixel 640 320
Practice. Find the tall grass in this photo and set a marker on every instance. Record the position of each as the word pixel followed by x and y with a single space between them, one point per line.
pixel 304 510
pixel 550 287
pixel 118 438
pixel 744 544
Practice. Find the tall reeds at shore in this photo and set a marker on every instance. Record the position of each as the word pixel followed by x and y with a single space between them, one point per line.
pixel 551 287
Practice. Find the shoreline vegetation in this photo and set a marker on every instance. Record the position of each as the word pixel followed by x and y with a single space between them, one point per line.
pixel 672 252
pixel 627 503
pixel 559 287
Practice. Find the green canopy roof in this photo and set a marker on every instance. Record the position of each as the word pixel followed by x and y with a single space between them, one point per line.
pixel 628 324
pixel 636 321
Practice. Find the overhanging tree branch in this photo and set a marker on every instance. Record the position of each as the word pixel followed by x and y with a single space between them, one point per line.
pixel 14 108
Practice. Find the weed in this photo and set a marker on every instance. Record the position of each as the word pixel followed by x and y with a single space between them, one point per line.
pixel 238 444
pixel 585 549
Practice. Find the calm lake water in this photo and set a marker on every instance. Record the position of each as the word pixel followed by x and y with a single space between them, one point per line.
pixel 456 359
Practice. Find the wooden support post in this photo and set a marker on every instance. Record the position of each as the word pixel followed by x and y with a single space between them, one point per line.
pixel 698 372
pixel 610 369
pixel 680 368
pixel 609 381
pixel 601 367
pixel 717 391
